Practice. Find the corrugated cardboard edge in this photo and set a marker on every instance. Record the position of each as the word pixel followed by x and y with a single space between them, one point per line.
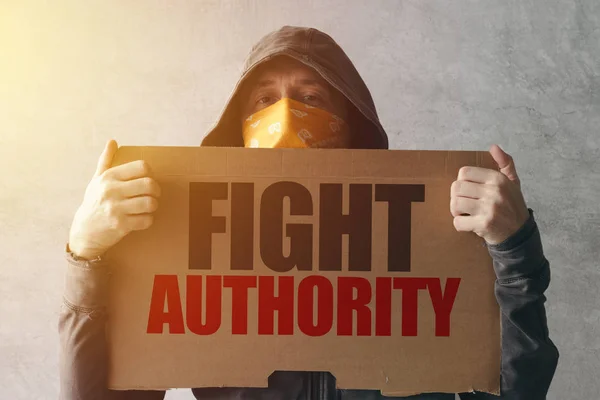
pixel 235 158
pixel 490 390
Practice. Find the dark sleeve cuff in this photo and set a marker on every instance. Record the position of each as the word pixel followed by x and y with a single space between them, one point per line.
pixel 519 255
pixel 86 282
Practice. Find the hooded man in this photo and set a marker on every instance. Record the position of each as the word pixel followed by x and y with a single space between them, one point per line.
pixel 299 89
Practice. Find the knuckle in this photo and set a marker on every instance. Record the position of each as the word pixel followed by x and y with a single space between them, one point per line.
pixel 500 201
pixel 455 187
pixel 156 188
pixel 144 167
pixel 495 191
pixel 455 222
pixel 151 187
pixel 149 184
pixel 145 222
pixel 454 207
pixel 106 178
pixel 105 190
pixel 102 186
pixel 149 220
pixel 496 198
pixel 106 175
pixel 453 202
pixel 500 179
pixel 116 224
pixel 111 209
pixel 488 220
pixel 151 204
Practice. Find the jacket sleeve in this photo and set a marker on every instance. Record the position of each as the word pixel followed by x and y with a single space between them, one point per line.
pixel 83 358
pixel 529 358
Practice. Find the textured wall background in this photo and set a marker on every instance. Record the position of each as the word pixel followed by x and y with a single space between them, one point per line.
pixel 444 75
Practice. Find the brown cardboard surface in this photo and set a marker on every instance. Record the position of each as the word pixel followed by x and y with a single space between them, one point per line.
pixel 467 357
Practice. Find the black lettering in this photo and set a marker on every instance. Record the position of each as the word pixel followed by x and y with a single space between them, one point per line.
pixel 271 227
pixel 333 224
pixel 202 223
pixel 242 226
pixel 399 198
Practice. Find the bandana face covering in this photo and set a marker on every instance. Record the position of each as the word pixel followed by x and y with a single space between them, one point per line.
pixel 290 123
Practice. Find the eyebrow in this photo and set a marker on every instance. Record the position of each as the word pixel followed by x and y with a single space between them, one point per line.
pixel 264 83
pixel 304 81
pixel 310 81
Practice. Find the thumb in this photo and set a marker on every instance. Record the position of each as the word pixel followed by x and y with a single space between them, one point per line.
pixel 505 163
pixel 106 157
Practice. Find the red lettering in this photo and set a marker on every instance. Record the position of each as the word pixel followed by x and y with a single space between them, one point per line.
pixel 315 304
pixel 283 303
pixel 165 290
pixel 306 305
pixel 383 307
pixel 346 304
pixel 443 303
pixel 410 290
pixel 212 304
pixel 239 301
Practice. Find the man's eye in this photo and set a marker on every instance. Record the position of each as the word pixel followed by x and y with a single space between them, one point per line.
pixel 264 100
pixel 310 98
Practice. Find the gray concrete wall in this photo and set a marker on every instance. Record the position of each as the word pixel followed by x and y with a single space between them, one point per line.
pixel 444 75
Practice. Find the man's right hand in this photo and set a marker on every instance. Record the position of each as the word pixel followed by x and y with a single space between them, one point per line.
pixel 117 201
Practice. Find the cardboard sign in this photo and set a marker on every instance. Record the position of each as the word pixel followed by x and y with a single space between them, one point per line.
pixel 344 261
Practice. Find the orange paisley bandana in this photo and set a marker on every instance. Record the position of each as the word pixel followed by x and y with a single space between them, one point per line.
pixel 290 123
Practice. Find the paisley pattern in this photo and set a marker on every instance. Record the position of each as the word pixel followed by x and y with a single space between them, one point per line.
pixel 290 123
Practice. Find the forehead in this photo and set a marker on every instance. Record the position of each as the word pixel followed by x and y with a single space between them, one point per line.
pixel 283 66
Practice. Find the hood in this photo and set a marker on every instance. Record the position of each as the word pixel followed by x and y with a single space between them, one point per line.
pixel 320 52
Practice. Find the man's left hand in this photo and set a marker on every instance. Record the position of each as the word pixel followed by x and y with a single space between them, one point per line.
pixel 489 202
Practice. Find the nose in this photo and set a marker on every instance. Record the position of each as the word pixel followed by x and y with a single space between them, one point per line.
pixel 284 92
pixel 285 89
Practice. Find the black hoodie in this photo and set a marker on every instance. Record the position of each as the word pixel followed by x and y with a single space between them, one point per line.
pixel 320 52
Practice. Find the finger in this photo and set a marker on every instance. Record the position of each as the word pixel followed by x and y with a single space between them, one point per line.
pixel 463 205
pixel 139 222
pixel 131 170
pixel 478 175
pixel 467 189
pixel 505 163
pixel 465 223
pixel 138 205
pixel 106 158
pixel 145 186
